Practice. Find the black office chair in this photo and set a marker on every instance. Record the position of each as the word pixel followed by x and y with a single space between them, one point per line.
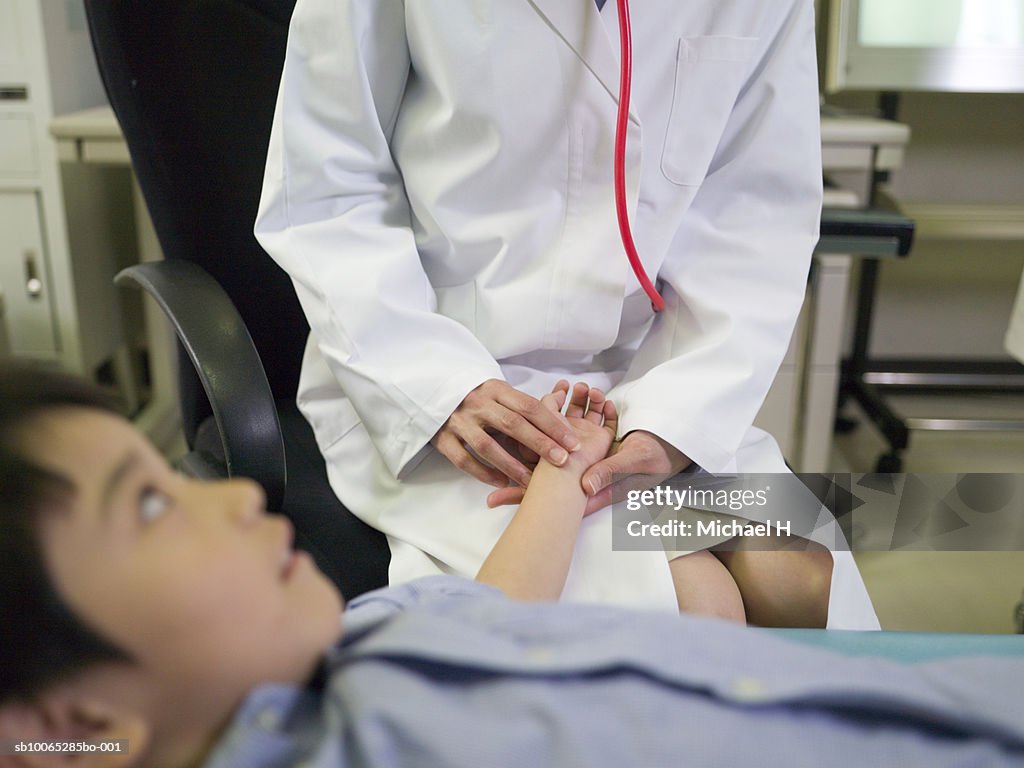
pixel 193 84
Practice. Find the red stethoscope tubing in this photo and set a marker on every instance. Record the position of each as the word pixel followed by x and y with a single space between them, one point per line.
pixel 625 78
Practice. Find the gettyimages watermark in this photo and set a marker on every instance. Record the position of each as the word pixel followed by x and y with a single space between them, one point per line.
pixel 843 511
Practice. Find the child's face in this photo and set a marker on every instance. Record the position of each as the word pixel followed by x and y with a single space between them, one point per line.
pixel 194 579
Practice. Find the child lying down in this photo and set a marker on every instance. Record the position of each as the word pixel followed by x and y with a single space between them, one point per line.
pixel 173 614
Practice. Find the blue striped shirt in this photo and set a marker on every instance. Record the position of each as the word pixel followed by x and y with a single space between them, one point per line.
pixel 447 672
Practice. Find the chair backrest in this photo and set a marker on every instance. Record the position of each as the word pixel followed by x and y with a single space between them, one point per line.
pixel 193 84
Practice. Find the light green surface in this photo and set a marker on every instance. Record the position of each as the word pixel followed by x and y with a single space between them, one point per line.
pixel 908 646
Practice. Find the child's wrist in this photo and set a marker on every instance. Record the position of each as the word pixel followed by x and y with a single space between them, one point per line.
pixel 575 465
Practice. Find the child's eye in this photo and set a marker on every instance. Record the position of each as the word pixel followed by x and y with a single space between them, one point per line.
pixel 152 504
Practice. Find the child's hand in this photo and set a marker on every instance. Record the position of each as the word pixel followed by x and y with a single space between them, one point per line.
pixel 594 421
pixel 592 416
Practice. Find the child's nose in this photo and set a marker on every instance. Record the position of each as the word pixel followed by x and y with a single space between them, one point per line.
pixel 247 500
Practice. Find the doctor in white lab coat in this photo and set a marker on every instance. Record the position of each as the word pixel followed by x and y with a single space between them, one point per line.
pixel 439 188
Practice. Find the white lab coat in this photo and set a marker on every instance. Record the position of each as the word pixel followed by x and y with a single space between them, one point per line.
pixel 439 188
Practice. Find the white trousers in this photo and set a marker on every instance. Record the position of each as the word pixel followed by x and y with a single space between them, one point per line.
pixel 437 521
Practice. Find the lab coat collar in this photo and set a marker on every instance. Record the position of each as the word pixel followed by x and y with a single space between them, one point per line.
pixel 580 26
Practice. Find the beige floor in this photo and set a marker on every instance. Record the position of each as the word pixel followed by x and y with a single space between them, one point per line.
pixel 943 591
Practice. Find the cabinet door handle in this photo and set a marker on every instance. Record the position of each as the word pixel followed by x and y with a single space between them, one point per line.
pixel 33 285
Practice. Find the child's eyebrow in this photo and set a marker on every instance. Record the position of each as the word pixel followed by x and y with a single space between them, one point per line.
pixel 114 479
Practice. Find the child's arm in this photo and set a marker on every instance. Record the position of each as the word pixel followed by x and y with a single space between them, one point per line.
pixel 532 557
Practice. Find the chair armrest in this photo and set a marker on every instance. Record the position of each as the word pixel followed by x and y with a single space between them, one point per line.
pixel 225 359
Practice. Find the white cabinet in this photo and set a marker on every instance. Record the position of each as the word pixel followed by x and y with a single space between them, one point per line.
pixel 12 52
pixel 57 252
pixel 31 327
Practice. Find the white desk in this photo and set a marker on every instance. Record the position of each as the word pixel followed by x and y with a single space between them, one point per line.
pixel 800 409
pixel 862 143
pixel 94 136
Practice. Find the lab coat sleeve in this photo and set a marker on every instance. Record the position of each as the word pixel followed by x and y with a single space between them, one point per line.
pixel 335 216
pixel 736 274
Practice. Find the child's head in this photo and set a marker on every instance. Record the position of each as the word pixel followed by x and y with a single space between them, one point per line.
pixel 136 603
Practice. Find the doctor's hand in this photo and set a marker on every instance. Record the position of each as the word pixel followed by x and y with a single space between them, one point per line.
pixel 642 458
pixel 640 461
pixel 471 438
pixel 595 421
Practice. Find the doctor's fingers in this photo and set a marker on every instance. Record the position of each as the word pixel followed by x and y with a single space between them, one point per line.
pixel 619 490
pixel 553 400
pixel 494 447
pixel 640 453
pixel 452 448
pixel 510 494
pixel 496 406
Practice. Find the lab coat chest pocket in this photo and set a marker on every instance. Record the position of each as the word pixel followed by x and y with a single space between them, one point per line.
pixel 709 74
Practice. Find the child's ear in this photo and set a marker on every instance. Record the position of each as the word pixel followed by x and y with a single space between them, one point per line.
pixel 63 716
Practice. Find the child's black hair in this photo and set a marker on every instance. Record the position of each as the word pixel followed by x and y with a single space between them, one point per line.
pixel 42 642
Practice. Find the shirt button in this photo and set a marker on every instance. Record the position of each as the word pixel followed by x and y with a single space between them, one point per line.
pixel 268 720
pixel 540 655
pixel 749 689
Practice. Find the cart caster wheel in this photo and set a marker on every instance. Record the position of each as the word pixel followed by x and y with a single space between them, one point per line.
pixel 889 463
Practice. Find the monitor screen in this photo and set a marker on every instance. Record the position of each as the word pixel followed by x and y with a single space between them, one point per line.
pixel 928 45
